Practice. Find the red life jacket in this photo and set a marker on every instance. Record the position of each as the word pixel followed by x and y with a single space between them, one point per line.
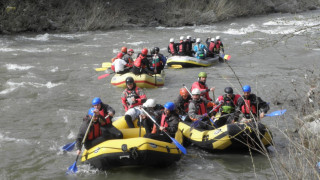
pixel 186 107
pixel 211 46
pixel 181 46
pixel 202 108
pixel 156 61
pixel 132 93
pixel 95 131
pixel 104 115
pixel 163 121
pixel 137 62
pixel 171 46
pixel 218 45
pixel 247 107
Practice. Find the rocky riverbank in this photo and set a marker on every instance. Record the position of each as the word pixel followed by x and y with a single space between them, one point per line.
pixel 68 15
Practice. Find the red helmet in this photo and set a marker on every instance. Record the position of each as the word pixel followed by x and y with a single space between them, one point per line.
pixel 131 50
pixel 119 55
pixel 144 51
pixel 124 49
pixel 184 92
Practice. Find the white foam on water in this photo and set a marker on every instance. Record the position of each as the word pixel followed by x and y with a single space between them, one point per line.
pixel 18 67
pixel 4 138
pixel 72 135
pixel 55 69
pixel 49 85
pixel 241 31
pixel 92 45
pixel 136 43
pixel 247 42
pixel 68 36
pixel 317 49
pixel 5 49
pixel 41 37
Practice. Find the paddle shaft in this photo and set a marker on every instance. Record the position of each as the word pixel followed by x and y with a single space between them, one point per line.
pixel 187 89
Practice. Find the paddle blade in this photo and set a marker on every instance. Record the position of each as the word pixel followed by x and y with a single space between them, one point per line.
pixel 195 124
pixel 69 147
pixel 101 69
pixel 73 168
pixel 103 76
pixel 106 64
pixel 176 66
pixel 276 113
pixel 182 149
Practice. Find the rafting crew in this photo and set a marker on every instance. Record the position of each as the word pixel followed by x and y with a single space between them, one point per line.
pixel 169 123
pixel 250 107
pixel 141 64
pixel 101 128
pixel 202 86
pixel 226 104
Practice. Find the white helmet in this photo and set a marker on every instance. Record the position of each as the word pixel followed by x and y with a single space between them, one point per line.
pixel 149 103
pixel 188 37
pixel 195 91
pixel 218 37
pixel 198 40
pixel 171 40
pixel 212 39
pixel 181 37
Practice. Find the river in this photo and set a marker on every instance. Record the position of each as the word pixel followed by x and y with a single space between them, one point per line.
pixel 48 81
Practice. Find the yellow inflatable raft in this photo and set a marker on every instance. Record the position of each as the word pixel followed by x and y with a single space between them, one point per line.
pixel 230 137
pixel 142 81
pixel 132 150
pixel 188 61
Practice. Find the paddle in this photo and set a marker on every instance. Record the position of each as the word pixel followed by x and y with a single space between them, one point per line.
pixel 73 168
pixel 196 123
pixel 187 89
pixel 276 113
pixel 69 147
pixel 106 64
pixel 105 75
pixel 182 149
pixel 140 126
pixel 101 69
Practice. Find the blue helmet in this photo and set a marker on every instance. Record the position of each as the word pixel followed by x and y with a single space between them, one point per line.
pixel 96 101
pixel 169 106
pixel 246 88
pixel 90 112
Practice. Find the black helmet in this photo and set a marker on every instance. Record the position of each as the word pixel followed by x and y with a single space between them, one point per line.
pixel 129 80
pixel 156 49
pixel 228 90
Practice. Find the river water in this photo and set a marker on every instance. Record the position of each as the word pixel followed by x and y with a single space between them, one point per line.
pixel 47 82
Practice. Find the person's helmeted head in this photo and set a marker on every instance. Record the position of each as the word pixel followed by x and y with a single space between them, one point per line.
pixel 130 51
pixel 156 50
pixel 181 38
pixel 189 37
pixel 184 93
pixel 212 39
pixel 171 40
pixel 198 40
pixel 144 51
pixel 228 91
pixel 246 90
pixel 96 102
pixel 124 49
pixel 195 94
pixel 150 103
pixel 169 107
pixel 202 77
pixel 119 55
pixel 130 82
pixel 218 38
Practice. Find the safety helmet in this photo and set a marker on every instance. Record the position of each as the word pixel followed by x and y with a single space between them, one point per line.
pixel 96 101
pixel 188 37
pixel 91 111
pixel 171 40
pixel 183 92
pixel 202 74
pixel 124 49
pixel 212 39
pixel 228 90
pixel 131 50
pixel 169 106
pixel 119 55
pixel 181 37
pixel 195 91
pixel 156 49
pixel 129 80
pixel 218 37
pixel 246 88
pixel 144 51
pixel 198 40
pixel 149 103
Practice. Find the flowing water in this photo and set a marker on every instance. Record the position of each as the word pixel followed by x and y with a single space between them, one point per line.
pixel 47 82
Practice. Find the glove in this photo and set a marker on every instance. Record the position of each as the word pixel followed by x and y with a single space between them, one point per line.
pixel 204 115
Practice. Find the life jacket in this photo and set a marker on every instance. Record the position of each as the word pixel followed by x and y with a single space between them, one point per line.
pixel 163 121
pixel 101 112
pixel 156 61
pixel 186 106
pixel 218 44
pixel 188 45
pixel 199 50
pixel 181 47
pixel 211 46
pixel 113 68
pixel 247 107
pixel 132 93
pixel 201 107
pixel 201 86
pixel 228 105
pixel 172 48
pixel 137 62
pixel 95 131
